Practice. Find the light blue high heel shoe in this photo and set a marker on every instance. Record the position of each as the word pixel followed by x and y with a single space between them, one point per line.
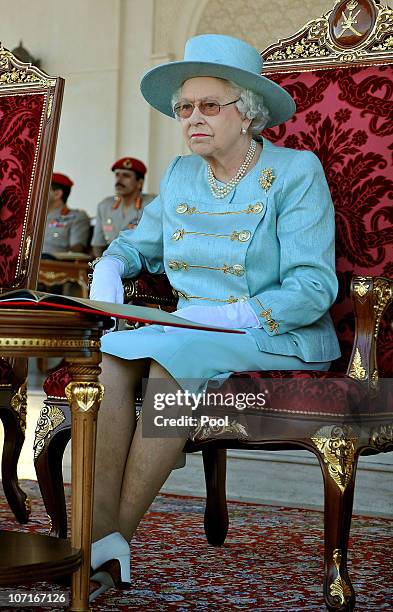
pixel 110 563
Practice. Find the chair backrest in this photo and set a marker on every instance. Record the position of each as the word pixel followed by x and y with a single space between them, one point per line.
pixel 339 70
pixel 30 103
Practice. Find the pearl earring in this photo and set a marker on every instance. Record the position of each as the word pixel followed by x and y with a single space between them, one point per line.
pixel 244 131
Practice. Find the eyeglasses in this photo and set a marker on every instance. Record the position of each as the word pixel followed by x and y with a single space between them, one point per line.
pixel 210 108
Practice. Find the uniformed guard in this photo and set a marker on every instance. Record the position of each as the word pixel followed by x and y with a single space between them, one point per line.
pixel 66 229
pixel 124 210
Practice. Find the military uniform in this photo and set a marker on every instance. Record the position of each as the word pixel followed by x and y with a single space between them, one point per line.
pixel 64 228
pixel 269 242
pixel 113 217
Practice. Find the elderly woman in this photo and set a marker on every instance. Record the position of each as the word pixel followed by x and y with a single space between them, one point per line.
pixel 245 232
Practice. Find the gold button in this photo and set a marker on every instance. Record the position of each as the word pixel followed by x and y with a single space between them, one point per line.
pixel 244 236
pixel 181 208
pixel 238 270
pixel 178 234
pixel 256 208
pixel 178 265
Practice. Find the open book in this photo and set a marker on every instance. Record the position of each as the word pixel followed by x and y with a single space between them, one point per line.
pixel 26 298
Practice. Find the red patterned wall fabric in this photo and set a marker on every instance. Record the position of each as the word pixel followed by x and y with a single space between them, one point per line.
pixel 345 115
pixel 20 117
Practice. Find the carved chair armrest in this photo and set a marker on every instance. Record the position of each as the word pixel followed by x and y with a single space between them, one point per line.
pixel 149 289
pixel 371 296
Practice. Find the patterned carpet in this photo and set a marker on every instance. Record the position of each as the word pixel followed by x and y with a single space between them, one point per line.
pixel 272 560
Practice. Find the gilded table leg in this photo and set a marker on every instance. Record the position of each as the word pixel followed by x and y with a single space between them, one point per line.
pixel 84 394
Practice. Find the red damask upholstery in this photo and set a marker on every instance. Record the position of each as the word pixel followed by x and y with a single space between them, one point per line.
pixel 345 115
pixel 56 382
pixel 21 118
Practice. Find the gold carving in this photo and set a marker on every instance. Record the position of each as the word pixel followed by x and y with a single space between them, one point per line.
pixel 232 430
pixel 5 56
pixel 382 436
pixel 339 587
pixel 23 77
pixel 28 505
pixel 49 343
pixel 50 418
pixel 337 444
pixel 361 288
pixel 50 105
pixel 315 44
pixel 302 49
pixel 19 405
pixel 357 370
pixel 387 45
pixel 349 21
pixel 374 379
pixel 27 251
pixel 383 292
pixel 87 394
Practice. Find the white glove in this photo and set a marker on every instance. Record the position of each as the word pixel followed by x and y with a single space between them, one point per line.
pixel 238 315
pixel 106 285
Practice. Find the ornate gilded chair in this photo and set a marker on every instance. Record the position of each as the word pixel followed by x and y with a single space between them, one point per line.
pixel 339 70
pixel 30 103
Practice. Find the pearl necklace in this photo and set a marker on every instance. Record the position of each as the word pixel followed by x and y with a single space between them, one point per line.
pixel 222 192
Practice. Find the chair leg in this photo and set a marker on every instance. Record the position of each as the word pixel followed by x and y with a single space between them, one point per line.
pixel 52 435
pixel 14 422
pixel 338 460
pixel 216 511
pixel 14 437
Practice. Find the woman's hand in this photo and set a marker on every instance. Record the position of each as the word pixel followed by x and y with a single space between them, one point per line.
pixel 106 285
pixel 238 315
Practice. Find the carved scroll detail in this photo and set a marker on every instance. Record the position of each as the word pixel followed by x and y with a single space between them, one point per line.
pixel 19 405
pixel 50 418
pixel 339 587
pixel 337 446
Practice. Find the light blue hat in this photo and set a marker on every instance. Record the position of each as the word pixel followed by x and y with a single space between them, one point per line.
pixel 218 56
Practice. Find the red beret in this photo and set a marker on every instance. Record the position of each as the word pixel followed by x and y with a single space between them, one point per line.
pixel 61 179
pixel 130 163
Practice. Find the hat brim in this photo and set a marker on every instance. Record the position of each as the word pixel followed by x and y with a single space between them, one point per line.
pixel 160 83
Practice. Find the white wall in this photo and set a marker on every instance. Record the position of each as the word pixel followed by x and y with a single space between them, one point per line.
pixel 100 47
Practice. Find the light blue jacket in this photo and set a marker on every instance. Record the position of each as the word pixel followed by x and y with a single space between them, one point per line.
pixel 270 242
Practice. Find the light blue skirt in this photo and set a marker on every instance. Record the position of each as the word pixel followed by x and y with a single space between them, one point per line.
pixel 193 357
